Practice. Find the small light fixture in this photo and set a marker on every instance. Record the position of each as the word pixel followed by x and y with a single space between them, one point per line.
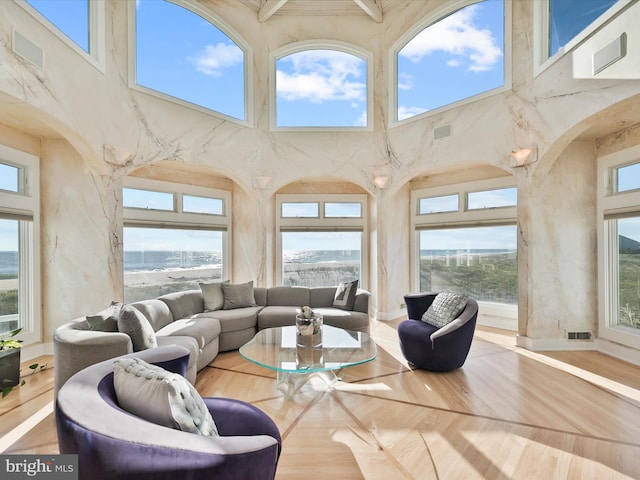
pixel 261 183
pixel 381 181
pixel 523 156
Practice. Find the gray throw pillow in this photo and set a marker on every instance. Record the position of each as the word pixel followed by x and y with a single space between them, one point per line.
pixel 238 295
pixel 345 296
pixel 161 397
pixel 106 320
pixel 212 295
pixel 135 324
pixel 446 307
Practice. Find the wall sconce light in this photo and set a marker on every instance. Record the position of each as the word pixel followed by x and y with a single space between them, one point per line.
pixel 381 181
pixel 261 183
pixel 523 156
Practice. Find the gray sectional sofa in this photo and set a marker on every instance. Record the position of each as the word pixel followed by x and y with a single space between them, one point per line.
pixel 181 318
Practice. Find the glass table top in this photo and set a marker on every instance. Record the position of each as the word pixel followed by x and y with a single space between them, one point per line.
pixel 277 349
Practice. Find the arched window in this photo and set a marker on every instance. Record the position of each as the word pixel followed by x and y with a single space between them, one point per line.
pixel 321 86
pixel 182 54
pixel 459 56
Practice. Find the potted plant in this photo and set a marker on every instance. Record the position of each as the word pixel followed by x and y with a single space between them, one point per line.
pixel 10 362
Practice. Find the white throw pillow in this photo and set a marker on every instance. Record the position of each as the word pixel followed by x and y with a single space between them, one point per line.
pixel 161 397
pixel 446 307
pixel 212 295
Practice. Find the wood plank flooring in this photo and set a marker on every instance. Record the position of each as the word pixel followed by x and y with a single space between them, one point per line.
pixel 506 414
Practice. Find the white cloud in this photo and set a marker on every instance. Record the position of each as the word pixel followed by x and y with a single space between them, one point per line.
pixel 214 58
pixel 321 75
pixel 405 81
pixel 407 112
pixel 457 35
pixel 361 121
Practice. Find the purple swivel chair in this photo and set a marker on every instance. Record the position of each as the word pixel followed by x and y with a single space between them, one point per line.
pixel 432 348
pixel 114 444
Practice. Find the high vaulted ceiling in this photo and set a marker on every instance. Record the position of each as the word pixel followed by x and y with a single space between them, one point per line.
pixel 375 9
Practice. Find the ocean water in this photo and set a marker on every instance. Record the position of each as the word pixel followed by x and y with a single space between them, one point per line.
pixel 9 263
pixel 155 261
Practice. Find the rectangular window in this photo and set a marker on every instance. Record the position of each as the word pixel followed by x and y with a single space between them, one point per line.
pixel 342 210
pixel 626 261
pixel 164 260
pixel 9 275
pixel 321 259
pixel 480 261
pixel 204 205
pixel 148 199
pixel 445 203
pixel 502 197
pixel 9 177
pixel 627 178
pixel 300 210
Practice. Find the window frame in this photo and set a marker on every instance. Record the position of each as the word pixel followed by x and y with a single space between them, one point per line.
pixel 322 223
pixel 97 17
pixel 221 25
pixel 319 45
pixel 21 205
pixel 541 59
pixel 178 219
pixel 611 204
pixel 432 18
pixel 463 217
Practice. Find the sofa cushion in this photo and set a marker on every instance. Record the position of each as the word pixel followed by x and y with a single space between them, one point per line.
pixel 445 308
pixel 184 304
pixel 212 295
pixel 203 329
pixel 156 311
pixel 106 320
pixel 288 296
pixel 346 295
pixel 321 297
pixel 238 295
pixel 164 398
pixel 132 322
pixel 277 316
pixel 235 319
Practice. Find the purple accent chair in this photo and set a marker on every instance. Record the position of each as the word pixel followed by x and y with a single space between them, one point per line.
pixel 114 444
pixel 432 348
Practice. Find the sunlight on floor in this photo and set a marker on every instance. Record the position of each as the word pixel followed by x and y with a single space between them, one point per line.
pixel 18 432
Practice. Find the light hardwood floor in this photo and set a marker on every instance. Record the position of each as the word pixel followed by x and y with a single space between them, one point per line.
pixel 507 414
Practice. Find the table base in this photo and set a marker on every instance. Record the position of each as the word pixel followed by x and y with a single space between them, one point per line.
pixel 290 382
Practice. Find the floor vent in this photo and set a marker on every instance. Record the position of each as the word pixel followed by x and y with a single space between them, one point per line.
pixel 579 335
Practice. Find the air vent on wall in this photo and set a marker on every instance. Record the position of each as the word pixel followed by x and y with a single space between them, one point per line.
pixel 441 132
pixel 579 335
pixel 610 54
pixel 27 49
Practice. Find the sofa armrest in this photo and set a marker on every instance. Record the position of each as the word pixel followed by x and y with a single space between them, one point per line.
pixel 361 303
pixel 75 349
pixel 418 303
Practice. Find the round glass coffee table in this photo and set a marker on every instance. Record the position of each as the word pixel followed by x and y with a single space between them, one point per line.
pixel 277 349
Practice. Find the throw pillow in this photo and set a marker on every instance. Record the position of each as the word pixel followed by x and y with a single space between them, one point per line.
pixel 132 322
pixel 345 296
pixel 162 397
pixel 212 295
pixel 106 320
pixel 238 295
pixel 446 307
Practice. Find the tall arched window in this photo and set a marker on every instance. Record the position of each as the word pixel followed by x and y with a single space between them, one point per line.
pixel 321 86
pixel 460 55
pixel 181 53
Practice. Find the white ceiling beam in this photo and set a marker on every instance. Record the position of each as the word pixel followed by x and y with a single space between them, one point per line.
pixel 269 8
pixel 371 8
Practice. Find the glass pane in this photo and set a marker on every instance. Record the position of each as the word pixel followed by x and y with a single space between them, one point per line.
pixel 343 210
pixel 9 176
pixel 71 17
pixel 446 203
pixel 321 88
pixel 147 199
pixel 183 55
pixel 162 260
pixel 628 272
pixel 9 275
pixel 567 18
pixel 503 197
pixel 458 57
pixel 627 178
pixel 320 259
pixel 300 210
pixel 211 206
pixel 479 261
